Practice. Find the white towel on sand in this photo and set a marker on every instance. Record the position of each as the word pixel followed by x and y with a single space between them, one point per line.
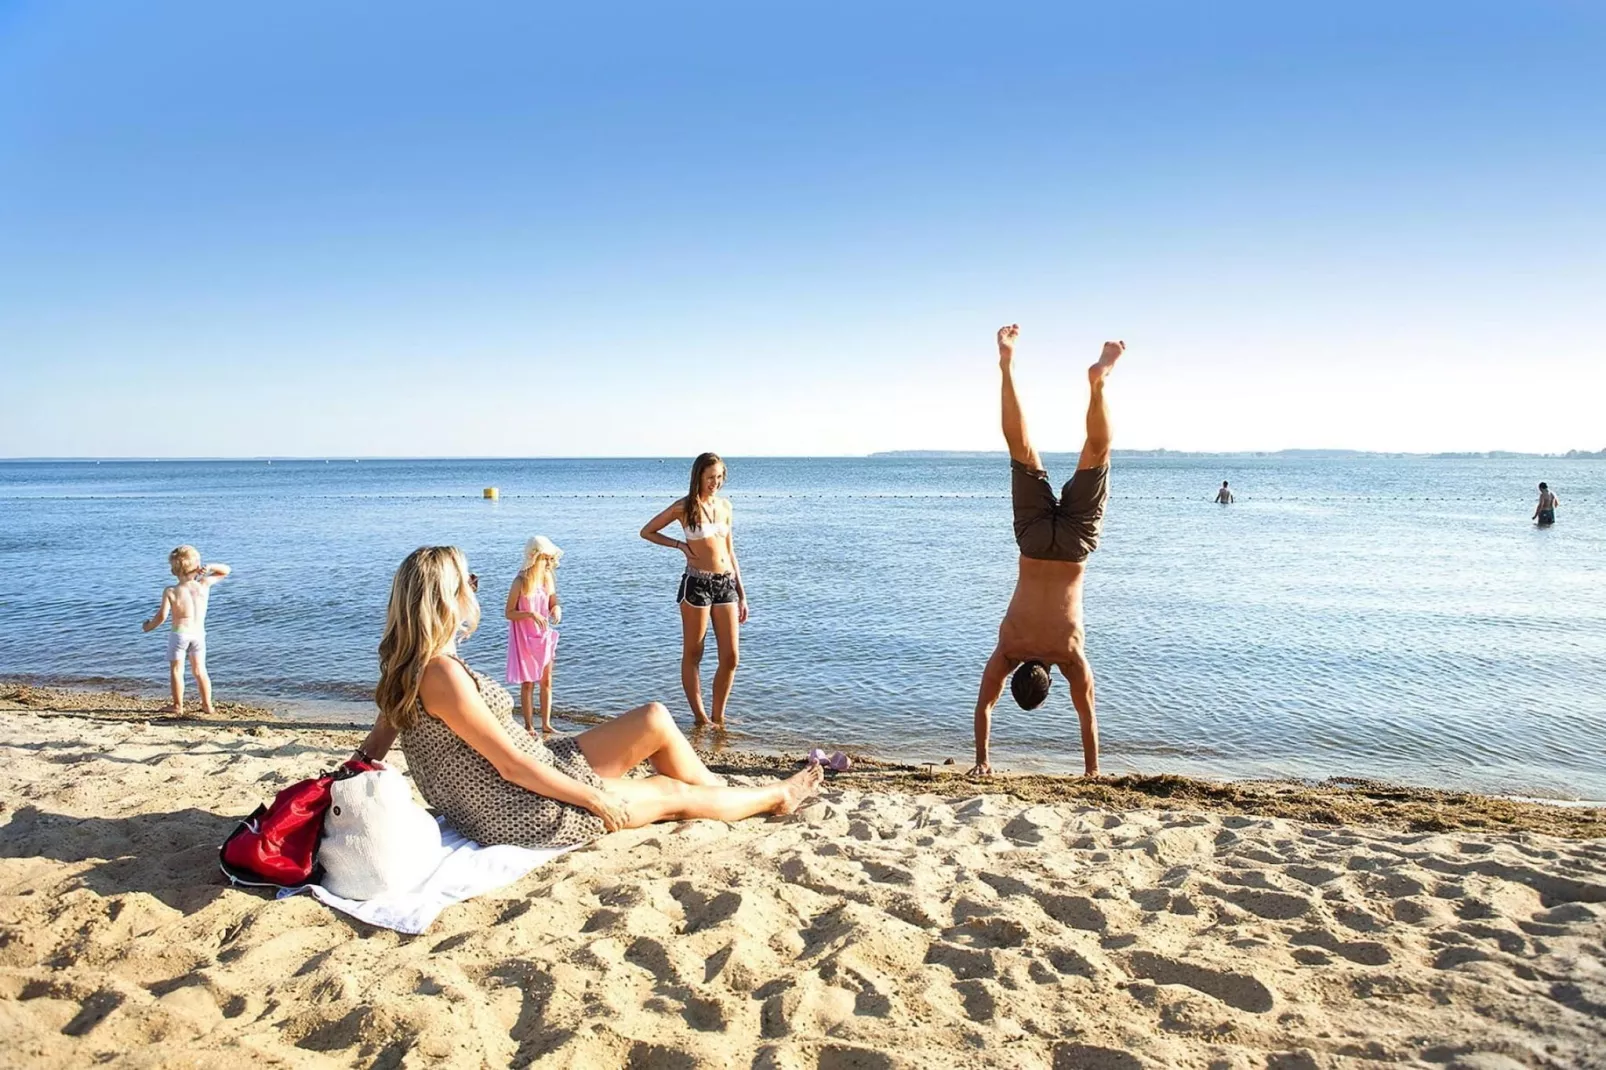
pixel 466 869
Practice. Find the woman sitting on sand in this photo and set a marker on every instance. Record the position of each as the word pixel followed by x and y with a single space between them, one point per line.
pixel 497 784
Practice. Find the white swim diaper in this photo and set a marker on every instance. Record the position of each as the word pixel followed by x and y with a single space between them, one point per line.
pixel 180 644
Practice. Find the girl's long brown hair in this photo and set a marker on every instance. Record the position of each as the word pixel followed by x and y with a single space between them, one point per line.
pixel 694 506
pixel 424 616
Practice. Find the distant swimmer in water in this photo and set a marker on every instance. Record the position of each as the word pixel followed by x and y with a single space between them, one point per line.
pixel 1545 511
pixel 1224 496
pixel 1043 624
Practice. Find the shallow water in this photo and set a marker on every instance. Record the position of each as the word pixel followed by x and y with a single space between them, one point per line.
pixel 1376 617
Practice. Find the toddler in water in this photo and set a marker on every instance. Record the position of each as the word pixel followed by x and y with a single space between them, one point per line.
pixel 532 641
pixel 186 602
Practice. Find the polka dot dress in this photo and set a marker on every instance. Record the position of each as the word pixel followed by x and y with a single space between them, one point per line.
pixel 467 790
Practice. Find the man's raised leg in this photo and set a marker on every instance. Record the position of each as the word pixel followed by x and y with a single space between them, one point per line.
pixel 1020 446
pixel 1096 449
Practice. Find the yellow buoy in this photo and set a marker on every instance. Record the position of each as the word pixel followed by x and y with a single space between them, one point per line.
pixel 491 494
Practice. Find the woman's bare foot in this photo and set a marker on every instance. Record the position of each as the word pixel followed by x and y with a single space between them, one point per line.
pixel 177 711
pixel 798 788
pixel 1101 367
pixel 208 711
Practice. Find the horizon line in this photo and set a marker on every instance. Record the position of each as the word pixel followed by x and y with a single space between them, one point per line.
pixel 1331 451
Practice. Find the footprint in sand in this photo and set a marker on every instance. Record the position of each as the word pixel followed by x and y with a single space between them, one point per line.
pixel 1238 990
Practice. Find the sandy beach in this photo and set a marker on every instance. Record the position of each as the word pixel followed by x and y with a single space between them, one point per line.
pixel 901 920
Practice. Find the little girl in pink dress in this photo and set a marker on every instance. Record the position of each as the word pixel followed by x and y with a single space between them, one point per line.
pixel 532 610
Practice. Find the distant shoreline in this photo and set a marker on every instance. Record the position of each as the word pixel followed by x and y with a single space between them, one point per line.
pixel 1290 454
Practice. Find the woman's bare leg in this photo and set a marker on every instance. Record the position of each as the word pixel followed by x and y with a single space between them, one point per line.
pixel 646 733
pixel 546 699
pixel 693 630
pixel 667 799
pixel 727 636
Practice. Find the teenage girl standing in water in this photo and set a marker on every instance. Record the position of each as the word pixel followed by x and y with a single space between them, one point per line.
pixel 532 611
pixel 711 588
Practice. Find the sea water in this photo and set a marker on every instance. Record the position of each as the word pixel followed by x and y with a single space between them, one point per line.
pixel 1390 618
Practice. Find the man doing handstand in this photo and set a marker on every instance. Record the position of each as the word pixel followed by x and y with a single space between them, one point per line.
pixel 1043 625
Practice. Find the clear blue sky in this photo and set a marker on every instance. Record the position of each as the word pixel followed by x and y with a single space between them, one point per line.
pixel 524 229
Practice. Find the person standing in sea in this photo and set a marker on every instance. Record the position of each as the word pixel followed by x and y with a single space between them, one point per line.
pixel 1545 511
pixel 1224 495
pixel 533 611
pixel 710 588
pixel 1043 624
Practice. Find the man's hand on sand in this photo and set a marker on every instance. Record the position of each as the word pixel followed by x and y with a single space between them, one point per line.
pixel 1006 343
pixel 1101 368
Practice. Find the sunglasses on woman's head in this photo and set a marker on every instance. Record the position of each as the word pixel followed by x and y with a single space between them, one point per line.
pixel 473 583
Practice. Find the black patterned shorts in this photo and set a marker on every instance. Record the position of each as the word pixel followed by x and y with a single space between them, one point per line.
pixel 703 589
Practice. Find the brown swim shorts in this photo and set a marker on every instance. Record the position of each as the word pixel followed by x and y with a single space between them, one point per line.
pixel 1062 529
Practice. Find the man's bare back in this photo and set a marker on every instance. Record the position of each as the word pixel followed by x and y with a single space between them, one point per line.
pixel 1044 618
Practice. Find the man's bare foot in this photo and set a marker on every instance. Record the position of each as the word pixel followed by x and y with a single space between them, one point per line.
pixel 1006 343
pixel 699 719
pixel 208 711
pixel 980 769
pixel 1101 367
pixel 177 711
pixel 798 788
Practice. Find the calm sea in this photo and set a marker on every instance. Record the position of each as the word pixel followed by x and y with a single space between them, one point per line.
pixel 1373 617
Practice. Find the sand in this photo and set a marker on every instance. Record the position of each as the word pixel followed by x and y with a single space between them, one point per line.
pixel 890 927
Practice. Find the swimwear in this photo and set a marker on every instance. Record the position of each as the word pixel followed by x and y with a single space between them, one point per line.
pixel 1547 517
pixel 713 529
pixel 1058 529
pixel 191 641
pixel 703 589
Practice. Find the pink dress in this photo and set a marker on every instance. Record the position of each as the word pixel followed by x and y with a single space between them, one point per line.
pixel 530 647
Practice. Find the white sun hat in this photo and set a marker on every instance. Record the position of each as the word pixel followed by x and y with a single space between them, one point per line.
pixel 541 546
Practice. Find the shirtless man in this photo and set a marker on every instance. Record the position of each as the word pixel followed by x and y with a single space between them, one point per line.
pixel 1545 511
pixel 1043 625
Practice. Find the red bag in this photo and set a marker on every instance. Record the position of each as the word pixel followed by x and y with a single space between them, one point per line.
pixel 277 845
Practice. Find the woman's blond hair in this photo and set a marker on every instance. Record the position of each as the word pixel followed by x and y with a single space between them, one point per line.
pixel 184 560
pixel 424 616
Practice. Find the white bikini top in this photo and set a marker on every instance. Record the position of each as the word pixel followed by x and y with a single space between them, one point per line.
pixel 710 529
